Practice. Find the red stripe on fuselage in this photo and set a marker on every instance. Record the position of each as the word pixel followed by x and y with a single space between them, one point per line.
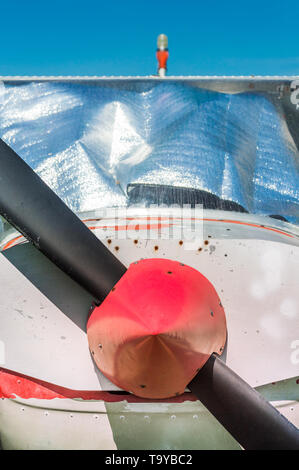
pixel 159 226
pixel 13 385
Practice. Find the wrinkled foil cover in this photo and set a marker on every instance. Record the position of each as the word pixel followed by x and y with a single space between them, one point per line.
pixel 87 141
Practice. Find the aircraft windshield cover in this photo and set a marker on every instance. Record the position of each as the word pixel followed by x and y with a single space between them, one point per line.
pixel 89 139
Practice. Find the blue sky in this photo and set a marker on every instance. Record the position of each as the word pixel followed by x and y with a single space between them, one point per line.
pixel 119 37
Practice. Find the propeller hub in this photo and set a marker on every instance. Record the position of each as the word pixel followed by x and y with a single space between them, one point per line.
pixel 156 328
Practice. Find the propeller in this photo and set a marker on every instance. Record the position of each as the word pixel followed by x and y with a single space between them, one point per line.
pixel 245 414
pixel 37 212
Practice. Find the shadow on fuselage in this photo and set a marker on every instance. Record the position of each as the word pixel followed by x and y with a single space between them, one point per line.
pixel 60 289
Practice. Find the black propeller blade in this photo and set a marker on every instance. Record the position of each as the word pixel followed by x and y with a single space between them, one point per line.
pixel 244 413
pixel 34 209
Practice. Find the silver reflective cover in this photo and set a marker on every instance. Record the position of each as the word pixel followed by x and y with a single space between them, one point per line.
pixel 88 139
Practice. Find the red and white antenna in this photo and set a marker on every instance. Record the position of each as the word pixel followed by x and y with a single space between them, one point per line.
pixel 162 54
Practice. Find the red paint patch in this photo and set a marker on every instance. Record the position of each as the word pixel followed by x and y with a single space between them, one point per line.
pixel 11 242
pixel 13 385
